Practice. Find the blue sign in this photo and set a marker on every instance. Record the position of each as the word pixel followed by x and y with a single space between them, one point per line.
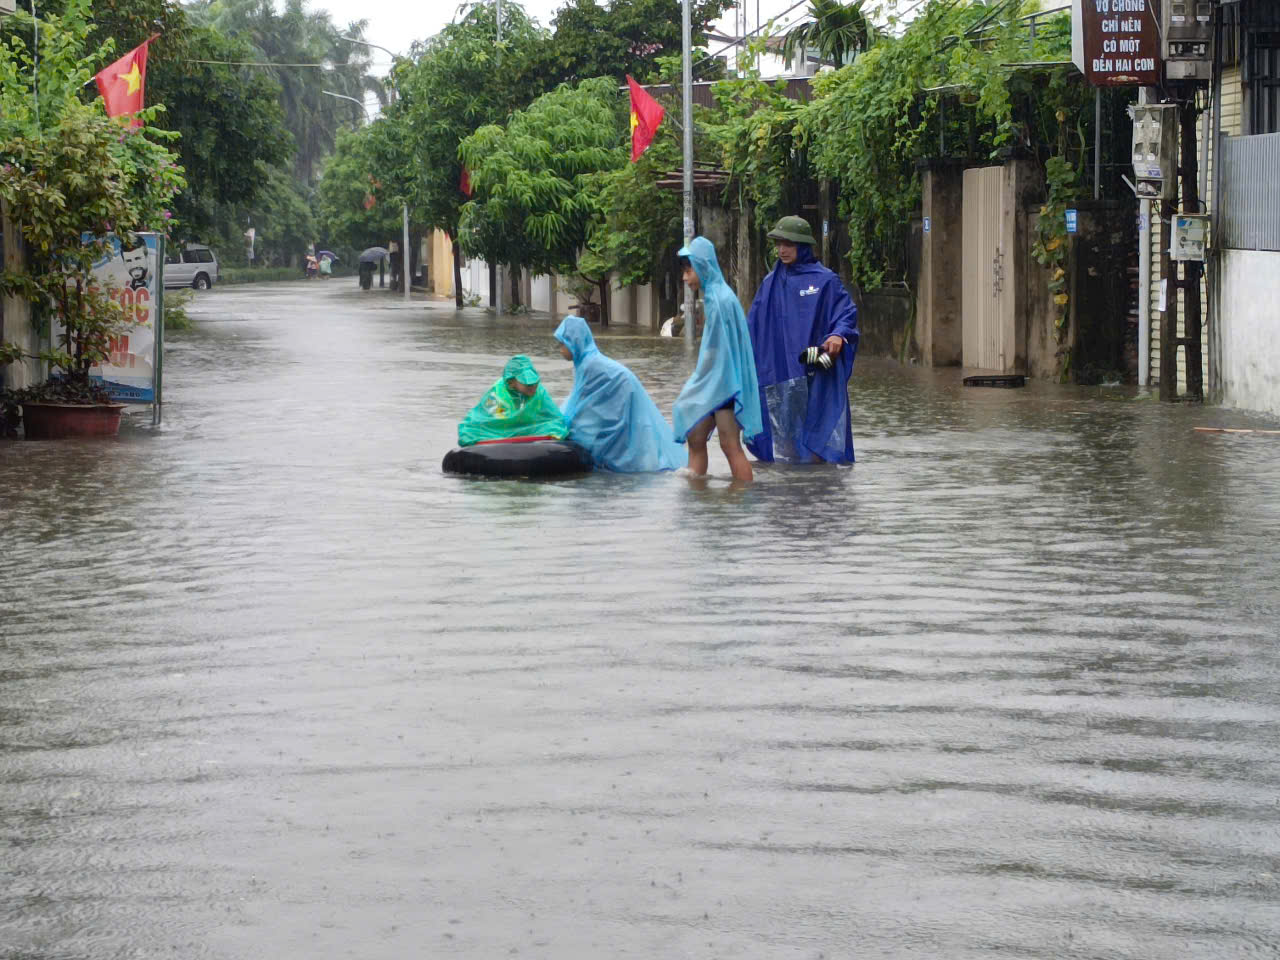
pixel 1071 221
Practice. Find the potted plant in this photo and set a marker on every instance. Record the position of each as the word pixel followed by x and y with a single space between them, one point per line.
pixel 70 177
pixel 582 290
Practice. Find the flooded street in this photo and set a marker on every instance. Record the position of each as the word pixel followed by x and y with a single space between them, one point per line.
pixel 271 685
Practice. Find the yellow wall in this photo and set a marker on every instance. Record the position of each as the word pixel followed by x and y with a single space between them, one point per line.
pixel 440 260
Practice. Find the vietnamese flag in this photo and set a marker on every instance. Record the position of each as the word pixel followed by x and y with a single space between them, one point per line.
pixel 121 83
pixel 464 182
pixel 646 114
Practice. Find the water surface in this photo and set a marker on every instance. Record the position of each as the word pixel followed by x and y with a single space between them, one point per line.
pixel 272 685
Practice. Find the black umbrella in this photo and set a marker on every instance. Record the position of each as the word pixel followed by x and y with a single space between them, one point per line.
pixel 373 254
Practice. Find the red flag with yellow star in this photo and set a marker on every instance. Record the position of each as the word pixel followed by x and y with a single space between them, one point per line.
pixel 646 114
pixel 121 83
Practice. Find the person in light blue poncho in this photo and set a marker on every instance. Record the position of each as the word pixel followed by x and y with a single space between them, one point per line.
pixel 609 412
pixel 723 394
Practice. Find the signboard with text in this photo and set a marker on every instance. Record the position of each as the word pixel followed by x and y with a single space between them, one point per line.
pixel 1116 42
pixel 133 279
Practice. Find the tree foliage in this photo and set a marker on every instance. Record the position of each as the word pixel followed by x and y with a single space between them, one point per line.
pixel 456 85
pixel 836 32
pixel 231 124
pixel 619 37
pixel 350 200
pixel 68 172
pixel 538 180
pixel 944 88
pixel 292 36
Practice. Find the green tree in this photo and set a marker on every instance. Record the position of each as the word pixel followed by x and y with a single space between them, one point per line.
pixel 642 223
pixel 836 32
pixel 353 209
pixel 290 37
pixel 620 37
pixel 458 81
pixel 67 171
pixel 232 127
pixel 538 180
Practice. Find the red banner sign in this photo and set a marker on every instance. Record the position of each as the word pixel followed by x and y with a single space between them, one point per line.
pixel 1120 42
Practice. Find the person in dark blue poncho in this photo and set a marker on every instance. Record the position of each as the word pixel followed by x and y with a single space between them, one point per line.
pixel 804 329
pixel 721 395
pixel 610 413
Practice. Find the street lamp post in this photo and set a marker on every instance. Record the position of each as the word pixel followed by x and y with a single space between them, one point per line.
pixel 405 259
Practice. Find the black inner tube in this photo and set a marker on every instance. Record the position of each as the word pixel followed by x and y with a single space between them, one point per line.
pixel 537 458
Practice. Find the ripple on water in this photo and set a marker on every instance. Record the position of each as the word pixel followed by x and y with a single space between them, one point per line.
pixel 271 684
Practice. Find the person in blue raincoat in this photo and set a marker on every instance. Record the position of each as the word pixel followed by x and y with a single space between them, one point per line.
pixel 722 394
pixel 609 411
pixel 804 399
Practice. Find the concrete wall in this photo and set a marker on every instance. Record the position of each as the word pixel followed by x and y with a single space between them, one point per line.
pixel 1250 330
pixel 884 322
pixel 938 330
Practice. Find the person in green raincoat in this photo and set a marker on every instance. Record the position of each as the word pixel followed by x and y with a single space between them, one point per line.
pixel 517 405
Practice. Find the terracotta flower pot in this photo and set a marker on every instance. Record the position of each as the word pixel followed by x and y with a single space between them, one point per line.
pixel 57 421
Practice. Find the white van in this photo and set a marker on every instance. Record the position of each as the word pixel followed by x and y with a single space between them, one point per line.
pixel 196 266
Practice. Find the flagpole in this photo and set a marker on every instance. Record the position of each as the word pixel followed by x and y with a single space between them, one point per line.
pixel 688 159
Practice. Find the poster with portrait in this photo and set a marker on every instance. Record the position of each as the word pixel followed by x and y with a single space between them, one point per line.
pixel 132 277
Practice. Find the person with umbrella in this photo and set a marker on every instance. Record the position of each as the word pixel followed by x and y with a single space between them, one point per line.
pixel 368 262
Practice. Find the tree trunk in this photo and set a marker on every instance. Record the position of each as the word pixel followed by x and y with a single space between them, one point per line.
pixel 603 286
pixel 515 275
pixel 457 274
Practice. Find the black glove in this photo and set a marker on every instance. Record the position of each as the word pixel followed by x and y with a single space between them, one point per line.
pixel 816 357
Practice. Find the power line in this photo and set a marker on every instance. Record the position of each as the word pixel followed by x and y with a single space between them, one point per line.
pixel 258 63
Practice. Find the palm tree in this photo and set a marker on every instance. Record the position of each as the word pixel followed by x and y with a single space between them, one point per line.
pixel 295 36
pixel 837 32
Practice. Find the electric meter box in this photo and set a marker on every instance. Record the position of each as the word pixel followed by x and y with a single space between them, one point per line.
pixel 1155 149
pixel 1187 32
pixel 1190 237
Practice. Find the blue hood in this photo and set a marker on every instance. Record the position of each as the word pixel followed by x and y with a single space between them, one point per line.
pixel 609 411
pixel 726 369
pixel 574 333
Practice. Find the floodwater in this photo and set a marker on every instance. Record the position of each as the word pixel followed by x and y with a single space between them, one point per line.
pixel 273 686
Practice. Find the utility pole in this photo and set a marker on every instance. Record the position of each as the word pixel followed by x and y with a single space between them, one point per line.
pixel 688 159
pixel 405 259
pixel 495 269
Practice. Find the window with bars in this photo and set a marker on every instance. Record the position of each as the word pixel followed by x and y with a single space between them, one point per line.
pixel 1262 82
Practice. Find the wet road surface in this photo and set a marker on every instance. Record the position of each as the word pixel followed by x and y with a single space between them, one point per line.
pixel 273 686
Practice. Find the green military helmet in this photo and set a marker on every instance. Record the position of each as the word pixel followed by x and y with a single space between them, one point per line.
pixel 794 229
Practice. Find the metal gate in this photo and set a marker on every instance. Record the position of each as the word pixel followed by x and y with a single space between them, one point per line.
pixel 986 312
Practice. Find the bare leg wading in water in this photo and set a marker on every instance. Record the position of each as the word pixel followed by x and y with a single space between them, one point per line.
pixel 726 427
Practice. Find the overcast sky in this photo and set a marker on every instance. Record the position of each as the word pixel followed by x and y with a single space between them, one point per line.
pixel 395 24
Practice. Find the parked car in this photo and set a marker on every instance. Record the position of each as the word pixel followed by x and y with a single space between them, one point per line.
pixel 196 266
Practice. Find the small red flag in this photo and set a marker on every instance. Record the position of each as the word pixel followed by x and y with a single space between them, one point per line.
pixel 121 84
pixel 646 114
pixel 464 184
